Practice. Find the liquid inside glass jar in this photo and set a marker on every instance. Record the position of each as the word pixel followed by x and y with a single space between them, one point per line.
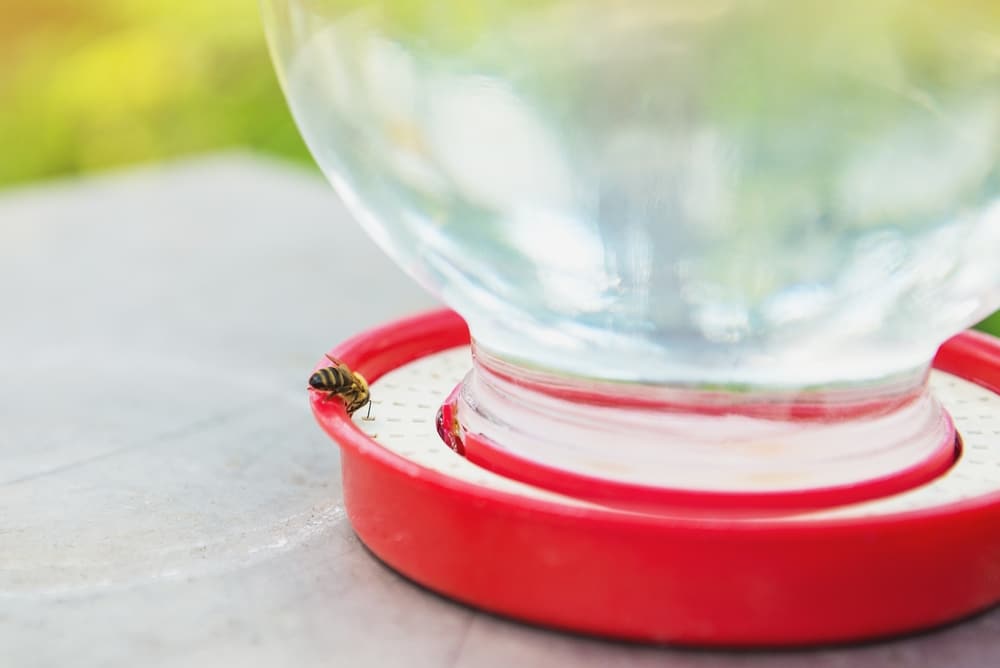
pixel 766 194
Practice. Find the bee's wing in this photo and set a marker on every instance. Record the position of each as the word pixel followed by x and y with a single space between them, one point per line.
pixel 334 360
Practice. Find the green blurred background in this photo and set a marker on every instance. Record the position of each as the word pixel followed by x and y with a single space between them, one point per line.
pixel 87 85
pixel 91 84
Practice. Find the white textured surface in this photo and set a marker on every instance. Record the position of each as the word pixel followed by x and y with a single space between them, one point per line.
pixel 404 405
pixel 402 422
pixel 165 496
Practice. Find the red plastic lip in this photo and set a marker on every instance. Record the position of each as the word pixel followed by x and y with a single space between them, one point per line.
pixel 482 452
pixel 756 581
pixel 644 498
pixel 973 356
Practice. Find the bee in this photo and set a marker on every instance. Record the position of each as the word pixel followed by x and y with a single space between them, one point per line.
pixel 339 381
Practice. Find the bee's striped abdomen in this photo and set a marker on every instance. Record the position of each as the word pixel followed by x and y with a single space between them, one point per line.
pixel 331 379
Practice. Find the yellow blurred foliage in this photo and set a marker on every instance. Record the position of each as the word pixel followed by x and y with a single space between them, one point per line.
pixel 99 83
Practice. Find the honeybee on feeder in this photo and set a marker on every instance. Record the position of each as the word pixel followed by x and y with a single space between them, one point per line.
pixel 339 381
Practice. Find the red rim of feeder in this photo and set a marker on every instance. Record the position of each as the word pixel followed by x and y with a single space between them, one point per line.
pixel 684 578
pixel 483 452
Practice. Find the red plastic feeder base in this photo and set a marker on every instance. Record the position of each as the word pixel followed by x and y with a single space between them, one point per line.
pixel 909 561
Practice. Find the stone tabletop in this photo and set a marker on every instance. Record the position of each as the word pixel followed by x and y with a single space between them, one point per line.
pixel 165 497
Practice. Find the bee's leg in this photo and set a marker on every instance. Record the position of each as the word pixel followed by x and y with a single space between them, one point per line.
pixel 368 416
pixel 333 360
